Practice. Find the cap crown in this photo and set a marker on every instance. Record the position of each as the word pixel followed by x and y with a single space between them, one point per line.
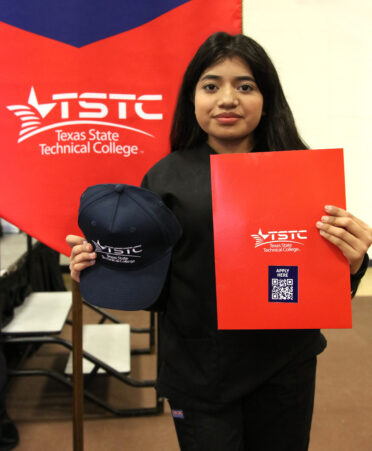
pixel 129 227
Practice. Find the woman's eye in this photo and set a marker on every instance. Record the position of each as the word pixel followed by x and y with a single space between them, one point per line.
pixel 210 87
pixel 245 88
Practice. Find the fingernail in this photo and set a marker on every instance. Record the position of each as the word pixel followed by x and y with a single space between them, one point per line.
pixel 87 247
pixel 92 255
pixel 319 224
pixel 325 218
pixel 328 208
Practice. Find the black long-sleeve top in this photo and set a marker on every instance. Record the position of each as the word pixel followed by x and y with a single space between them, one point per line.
pixel 202 367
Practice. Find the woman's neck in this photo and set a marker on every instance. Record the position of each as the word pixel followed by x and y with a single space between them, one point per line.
pixel 230 146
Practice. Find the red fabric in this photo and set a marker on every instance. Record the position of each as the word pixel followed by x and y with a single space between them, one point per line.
pixel 40 186
pixel 265 207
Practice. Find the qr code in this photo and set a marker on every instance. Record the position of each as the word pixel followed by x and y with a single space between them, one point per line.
pixel 283 284
pixel 282 289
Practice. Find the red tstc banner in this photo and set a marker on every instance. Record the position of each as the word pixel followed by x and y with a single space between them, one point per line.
pixel 87 93
pixel 273 269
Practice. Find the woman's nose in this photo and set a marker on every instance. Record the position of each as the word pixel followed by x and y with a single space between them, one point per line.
pixel 228 97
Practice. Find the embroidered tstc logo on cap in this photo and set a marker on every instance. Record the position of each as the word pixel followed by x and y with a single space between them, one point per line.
pixel 280 241
pixel 122 255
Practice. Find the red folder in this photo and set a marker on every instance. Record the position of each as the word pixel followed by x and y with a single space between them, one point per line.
pixel 273 269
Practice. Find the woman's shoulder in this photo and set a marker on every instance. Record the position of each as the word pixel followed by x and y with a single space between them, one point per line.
pixel 174 167
pixel 181 157
pixel 165 162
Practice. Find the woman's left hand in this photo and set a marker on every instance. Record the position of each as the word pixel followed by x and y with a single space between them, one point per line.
pixel 349 233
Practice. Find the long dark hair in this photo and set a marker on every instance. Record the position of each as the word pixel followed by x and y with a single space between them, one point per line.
pixel 276 130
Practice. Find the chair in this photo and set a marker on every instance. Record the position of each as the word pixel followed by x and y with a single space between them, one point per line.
pixel 106 347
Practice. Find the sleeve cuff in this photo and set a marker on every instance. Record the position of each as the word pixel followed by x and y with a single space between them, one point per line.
pixel 355 278
pixel 362 270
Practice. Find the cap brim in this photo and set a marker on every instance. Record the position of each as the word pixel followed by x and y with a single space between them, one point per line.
pixel 124 290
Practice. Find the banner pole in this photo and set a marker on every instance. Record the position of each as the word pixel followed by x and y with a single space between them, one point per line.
pixel 77 374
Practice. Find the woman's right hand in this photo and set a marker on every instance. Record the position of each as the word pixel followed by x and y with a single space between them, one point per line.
pixel 82 255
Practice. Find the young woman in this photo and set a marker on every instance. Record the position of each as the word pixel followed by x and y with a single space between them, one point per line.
pixel 230 390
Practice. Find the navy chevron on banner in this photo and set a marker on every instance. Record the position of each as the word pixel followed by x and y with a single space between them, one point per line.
pixel 81 22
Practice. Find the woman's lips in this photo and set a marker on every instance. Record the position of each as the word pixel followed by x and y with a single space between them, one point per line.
pixel 227 118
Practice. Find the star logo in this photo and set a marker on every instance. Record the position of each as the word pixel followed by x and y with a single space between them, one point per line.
pixel 43 108
pixel 259 238
pixel 31 117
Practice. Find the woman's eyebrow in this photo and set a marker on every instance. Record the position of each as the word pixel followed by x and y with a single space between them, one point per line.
pixel 245 78
pixel 218 77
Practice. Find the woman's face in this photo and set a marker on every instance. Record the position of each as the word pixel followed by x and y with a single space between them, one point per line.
pixel 228 105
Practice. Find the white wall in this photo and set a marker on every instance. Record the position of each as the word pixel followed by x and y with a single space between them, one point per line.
pixel 322 50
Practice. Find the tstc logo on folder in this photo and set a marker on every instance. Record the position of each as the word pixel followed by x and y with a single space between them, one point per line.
pixel 273 269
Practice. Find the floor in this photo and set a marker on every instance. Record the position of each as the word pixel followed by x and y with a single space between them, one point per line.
pixel 42 409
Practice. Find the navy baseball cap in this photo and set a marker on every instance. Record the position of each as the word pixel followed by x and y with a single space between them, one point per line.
pixel 133 233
